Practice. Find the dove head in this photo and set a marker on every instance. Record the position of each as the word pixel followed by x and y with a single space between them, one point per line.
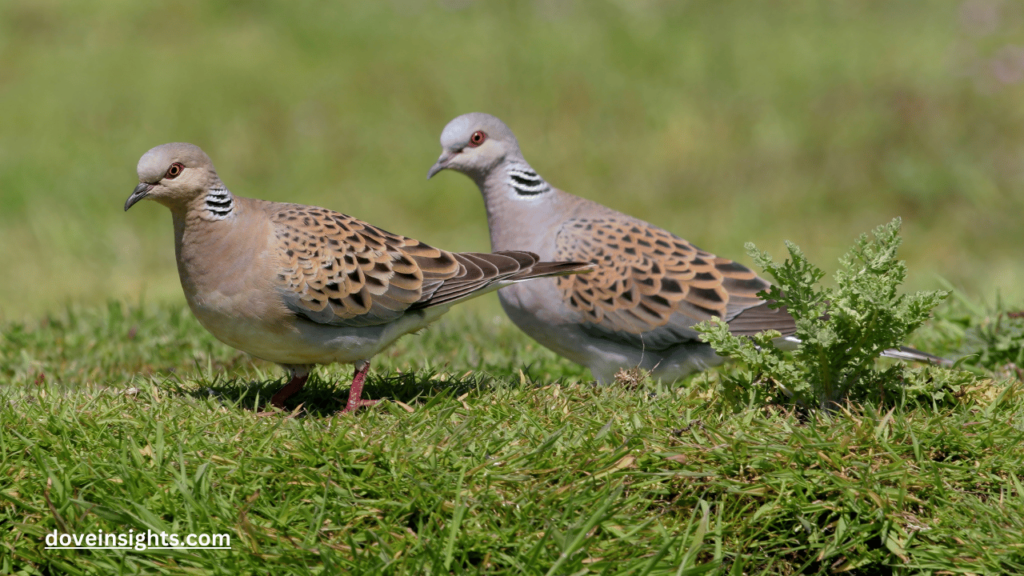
pixel 173 175
pixel 475 144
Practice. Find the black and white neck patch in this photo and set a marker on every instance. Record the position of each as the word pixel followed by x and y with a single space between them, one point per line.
pixel 219 203
pixel 525 181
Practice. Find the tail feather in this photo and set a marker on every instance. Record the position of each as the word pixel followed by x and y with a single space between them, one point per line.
pixel 914 355
pixel 760 318
pixel 901 353
pixel 543 269
pixel 485 272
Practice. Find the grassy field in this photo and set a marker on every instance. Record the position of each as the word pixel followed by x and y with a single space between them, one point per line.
pixel 723 122
pixel 493 457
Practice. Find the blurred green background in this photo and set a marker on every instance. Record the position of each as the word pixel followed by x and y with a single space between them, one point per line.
pixel 724 122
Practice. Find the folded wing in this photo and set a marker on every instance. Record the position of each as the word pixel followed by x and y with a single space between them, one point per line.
pixel 337 270
pixel 650 286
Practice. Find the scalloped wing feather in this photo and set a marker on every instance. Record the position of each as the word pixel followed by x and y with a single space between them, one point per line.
pixel 651 286
pixel 336 269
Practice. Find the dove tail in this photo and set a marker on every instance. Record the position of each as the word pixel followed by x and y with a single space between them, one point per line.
pixel 542 269
pixel 902 353
pixel 914 355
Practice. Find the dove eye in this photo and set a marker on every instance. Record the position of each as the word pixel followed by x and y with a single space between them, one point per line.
pixel 477 138
pixel 174 170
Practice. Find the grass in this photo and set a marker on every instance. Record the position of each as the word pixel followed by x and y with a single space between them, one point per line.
pixel 723 122
pixel 493 459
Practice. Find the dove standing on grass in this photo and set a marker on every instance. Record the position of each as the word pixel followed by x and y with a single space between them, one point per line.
pixel 650 287
pixel 300 285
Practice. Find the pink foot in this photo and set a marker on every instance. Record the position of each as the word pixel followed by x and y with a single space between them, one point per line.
pixel 290 389
pixel 354 393
pixel 350 407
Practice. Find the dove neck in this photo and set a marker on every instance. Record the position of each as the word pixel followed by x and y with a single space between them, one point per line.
pixel 212 202
pixel 201 216
pixel 217 204
pixel 519 203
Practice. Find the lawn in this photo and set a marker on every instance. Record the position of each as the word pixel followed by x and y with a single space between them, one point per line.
pixel 723 122
pixel 488 456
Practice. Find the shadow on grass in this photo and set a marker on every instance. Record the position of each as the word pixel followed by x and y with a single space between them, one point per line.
pixel 326 396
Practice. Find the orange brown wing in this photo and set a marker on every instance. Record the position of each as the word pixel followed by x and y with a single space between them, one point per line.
pixel 650 286
pixel 341 271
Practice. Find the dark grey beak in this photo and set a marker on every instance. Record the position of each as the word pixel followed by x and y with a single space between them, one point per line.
pixel 441 163
pixel 139 193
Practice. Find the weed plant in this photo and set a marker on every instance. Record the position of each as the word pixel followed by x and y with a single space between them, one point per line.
pixel 842 330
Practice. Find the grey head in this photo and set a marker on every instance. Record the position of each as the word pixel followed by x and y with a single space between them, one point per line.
pixel 475 144
pixel 174 175
pixel 483 148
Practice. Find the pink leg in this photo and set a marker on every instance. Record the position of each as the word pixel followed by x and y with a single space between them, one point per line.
pixel 292 387
pixel 354 393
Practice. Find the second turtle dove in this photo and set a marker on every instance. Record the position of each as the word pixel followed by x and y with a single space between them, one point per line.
pixel 649 287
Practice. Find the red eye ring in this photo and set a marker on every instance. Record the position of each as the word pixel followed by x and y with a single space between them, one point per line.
pixel 174 171
pixel 477 139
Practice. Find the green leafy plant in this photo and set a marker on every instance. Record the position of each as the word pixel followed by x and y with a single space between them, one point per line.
pixel 842 330
pixel 991 336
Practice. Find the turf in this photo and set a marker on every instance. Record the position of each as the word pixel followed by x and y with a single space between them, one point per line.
pixel 724 122
pixel 483 459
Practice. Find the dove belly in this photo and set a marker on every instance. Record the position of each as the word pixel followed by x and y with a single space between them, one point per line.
pixel 322 344
pixel 286 339
pixel 536 308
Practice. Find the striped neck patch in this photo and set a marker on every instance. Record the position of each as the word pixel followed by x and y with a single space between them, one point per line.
pixel 219 204
pixel 525 181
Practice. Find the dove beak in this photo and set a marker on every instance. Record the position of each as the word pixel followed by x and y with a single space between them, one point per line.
pixel 441 163
pixel 140 192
